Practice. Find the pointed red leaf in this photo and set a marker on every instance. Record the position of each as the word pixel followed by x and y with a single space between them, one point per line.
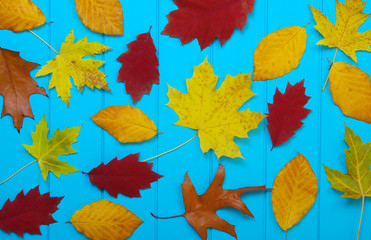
pixel 125 176
pixel 27 212
pixel 139 67
pixel 207 20
pixel 286 113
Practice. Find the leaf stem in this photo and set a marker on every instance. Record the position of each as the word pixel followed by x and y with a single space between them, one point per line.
pixel 18 172
pixel 330 69
pixel 360 219
pixel 181 145
pixel 44 42
pixel 286 234
pixel 180 215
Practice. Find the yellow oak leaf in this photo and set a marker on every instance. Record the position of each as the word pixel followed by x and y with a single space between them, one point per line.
pixel 101 16
pixel 294 192
pixel 125 123
pixel 344 33
pixel 70 63
pixel 20 15
pixel 47 151
pixel 279 53
pixel 103 220
pixel 351 90
pixel 214 113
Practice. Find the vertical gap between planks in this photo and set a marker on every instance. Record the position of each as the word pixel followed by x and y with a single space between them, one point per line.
pixel 209 155
pixel 102 105
pixel 49 100
pixel 157 115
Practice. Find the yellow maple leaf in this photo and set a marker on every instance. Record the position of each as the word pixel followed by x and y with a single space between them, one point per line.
pixel 214 113
pixel 69 63
pixel 103 220
pixel 20 15
pixel 344 33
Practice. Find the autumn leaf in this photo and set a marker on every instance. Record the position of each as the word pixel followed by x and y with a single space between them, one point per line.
pixel 286 113
pixel 294 192
pixel 20 15
pixel 27 212
pixel 214 113
pixel 125 176
pixel 207 20
pixel 103 16
pixel 104 220
pixel 47 151
pixel 69 63
pixel 126 123
pixel 200 210
pixel 279 53
pixel 357 182
pixel 344 33
pixel 351 90
pixel 139 67
pixel 16 86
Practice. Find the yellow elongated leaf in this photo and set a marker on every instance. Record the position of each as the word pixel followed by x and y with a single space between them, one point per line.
pixel 294 192
pixel 125 123
pixel 279 53
pixel 351 90
pixel 47 151
pixel 20 15
pixel 101 16
pixel 103 220
pixel 70 63
pixel 214 113
pixel 344 33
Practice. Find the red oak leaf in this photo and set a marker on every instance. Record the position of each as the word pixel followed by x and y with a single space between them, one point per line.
pixel 207 20
pixel 27 212
pixel 139 66
pixel 286 113
pixel 125 176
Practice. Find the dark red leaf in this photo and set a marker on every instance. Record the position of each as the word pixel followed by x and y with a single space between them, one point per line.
pixel 125 176
pixel 286 113
pixel 207 20
pixel 27 212
pixel 139 67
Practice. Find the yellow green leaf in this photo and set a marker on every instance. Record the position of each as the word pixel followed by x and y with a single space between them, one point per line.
pixel 125 123
pixel 101 16
pixel 214 113
pixel 344 33
pixel 20 15
pixel 70 63
pixel 351 90
pixel 279 53
pixel 47 151
pixel 294 192
pixel 103 220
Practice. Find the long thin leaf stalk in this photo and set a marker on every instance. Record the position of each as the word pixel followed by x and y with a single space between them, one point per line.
pixel 181 145
pixel 44 42
pixel 17 172
pixel 360 219
pixel 328 76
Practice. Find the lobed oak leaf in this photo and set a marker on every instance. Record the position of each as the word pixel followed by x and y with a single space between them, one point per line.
pixel 286 113
pixel 214 113
pixel 139 67
pixel 125 176
pixel 27 212
pixel 70 63
pixel 103 219
pixel 16 86
pixel 207 20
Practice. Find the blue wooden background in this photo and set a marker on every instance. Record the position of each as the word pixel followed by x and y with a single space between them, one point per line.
pixel 320 139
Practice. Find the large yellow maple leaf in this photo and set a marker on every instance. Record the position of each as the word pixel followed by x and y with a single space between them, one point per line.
pixel 70 63
pixel 214 113
pixel 344 33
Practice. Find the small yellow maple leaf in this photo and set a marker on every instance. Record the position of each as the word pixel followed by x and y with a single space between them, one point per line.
pixel 214 113
pixel 69 63
pixel 344 33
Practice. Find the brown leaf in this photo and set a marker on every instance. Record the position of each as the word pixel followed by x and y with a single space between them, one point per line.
pixel 16 86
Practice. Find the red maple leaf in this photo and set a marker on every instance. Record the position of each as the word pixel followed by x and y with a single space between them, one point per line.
pixel 139 66
pixel 286 113
pixel 207 20
pixel 125 176
pixel 27 212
